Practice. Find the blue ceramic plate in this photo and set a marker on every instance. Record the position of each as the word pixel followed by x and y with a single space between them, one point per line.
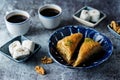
pixel 87 32
pixel 5 51
pixel 113 32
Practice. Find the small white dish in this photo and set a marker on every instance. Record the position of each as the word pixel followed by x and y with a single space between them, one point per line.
pixel 88 23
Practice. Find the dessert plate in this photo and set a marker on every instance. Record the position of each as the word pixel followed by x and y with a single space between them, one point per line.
pixel 88 23
pixel 87 32
pixel 5 50
pixel 113 32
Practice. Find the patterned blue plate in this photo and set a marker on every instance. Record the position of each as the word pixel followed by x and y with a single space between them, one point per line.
pixel 5 51
pixel 87 32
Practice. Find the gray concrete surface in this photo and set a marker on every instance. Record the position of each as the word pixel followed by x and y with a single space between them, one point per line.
pixel 9 70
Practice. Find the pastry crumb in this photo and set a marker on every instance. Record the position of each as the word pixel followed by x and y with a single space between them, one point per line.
pixel 46 60
pixel 40 70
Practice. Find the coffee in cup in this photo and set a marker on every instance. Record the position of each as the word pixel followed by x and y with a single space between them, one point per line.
pixel 49 12
pixel 17 18
pixel 50 15
pixel 17 22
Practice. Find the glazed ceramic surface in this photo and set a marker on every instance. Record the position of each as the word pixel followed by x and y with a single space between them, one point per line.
pixel 87 32
pixel 5 49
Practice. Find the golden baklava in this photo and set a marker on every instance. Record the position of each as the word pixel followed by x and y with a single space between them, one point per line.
pixel 66 46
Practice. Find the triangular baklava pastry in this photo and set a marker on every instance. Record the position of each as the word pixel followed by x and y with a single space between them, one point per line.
pixel 67 46
pixel 88 50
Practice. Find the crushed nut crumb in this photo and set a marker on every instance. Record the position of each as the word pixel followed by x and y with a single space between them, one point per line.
pixel 40 70
pixel 46 60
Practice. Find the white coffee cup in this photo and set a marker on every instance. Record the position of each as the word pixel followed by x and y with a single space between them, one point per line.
pixel 50 21
pixel 19 27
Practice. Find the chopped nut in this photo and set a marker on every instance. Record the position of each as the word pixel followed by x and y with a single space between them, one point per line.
pixel 118 31
pixel 69 43
pixel 46 60
pixel 115 26
pixel 40 70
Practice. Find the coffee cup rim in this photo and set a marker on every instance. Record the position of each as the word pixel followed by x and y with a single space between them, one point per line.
pixel 49 6
pixel 9 14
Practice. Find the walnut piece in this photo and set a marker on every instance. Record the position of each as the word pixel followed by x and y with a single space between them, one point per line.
pixel 40 70
pixel 115 26
pixel 46 60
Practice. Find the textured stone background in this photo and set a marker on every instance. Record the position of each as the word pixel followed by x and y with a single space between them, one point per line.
pixel 10 70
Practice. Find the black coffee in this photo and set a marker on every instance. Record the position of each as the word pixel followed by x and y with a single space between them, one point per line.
pixel 49 12
pixel 17 18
